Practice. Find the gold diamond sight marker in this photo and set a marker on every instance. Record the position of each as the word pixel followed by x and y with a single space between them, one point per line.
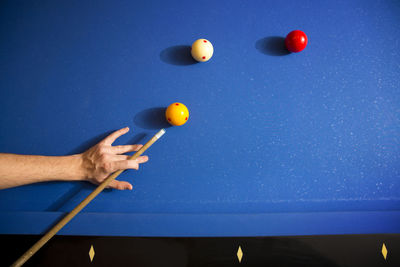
pixel 384 251
pixel 91 253
pixel 239 254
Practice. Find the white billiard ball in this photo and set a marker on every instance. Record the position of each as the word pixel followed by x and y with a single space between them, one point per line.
pixel 202 50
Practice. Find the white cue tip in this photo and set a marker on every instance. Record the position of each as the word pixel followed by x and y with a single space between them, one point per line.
pixel 160 133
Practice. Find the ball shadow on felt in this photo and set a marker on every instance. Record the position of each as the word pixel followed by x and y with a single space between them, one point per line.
pixel 178 55
pixel 272 46
pixel 152 119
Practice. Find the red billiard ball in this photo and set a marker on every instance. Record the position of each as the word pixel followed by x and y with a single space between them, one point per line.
pixel 296 41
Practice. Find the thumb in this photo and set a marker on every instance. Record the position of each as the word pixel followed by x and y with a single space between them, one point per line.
pixel 120 185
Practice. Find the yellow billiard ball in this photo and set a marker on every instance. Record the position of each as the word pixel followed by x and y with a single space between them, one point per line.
pixel 177 114
pixel 202 50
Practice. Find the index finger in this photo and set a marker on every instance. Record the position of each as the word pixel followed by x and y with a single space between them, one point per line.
pixel 112 137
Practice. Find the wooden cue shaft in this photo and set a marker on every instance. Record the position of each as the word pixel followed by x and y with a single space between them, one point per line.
pixel 30 252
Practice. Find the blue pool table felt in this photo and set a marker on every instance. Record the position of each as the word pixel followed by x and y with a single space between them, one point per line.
pixel 277 143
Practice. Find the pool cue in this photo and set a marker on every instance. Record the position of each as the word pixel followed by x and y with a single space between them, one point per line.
pixel 28 254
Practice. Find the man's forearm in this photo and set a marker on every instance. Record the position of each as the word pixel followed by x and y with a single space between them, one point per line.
pixel 16 170
pixel 94 165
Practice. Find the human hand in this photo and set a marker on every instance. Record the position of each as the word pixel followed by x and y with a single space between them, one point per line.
pixel 103 159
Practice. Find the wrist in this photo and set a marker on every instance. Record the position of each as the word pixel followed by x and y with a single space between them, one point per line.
pixel 80 173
